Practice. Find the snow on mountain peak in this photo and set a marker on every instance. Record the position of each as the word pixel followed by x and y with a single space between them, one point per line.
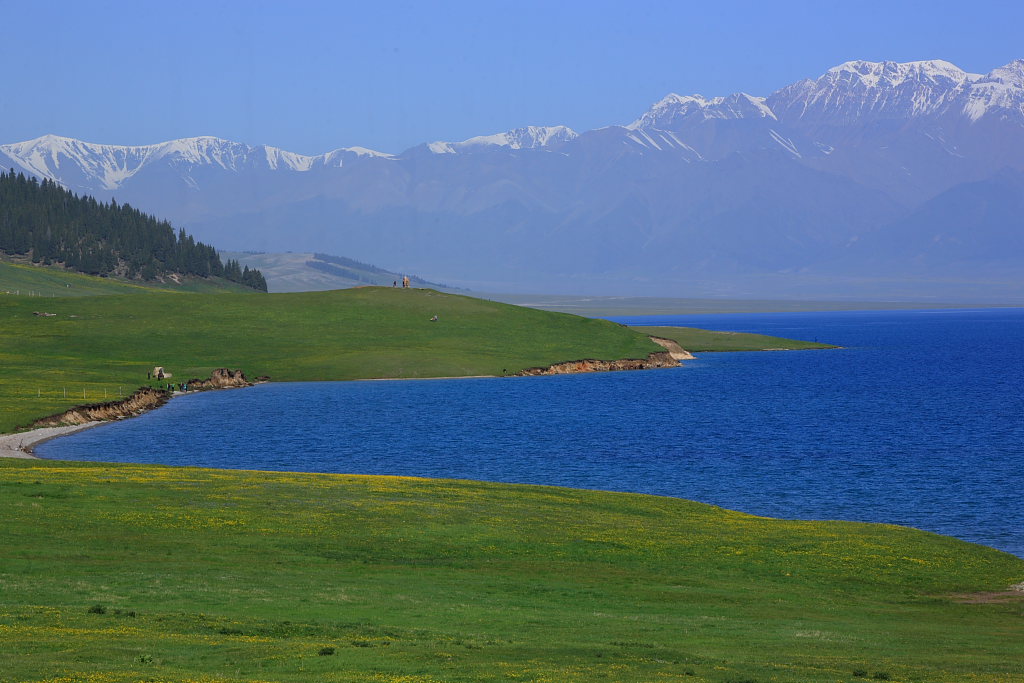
pixel 366 152
pixel 861 90
pixel 336 158
pixel 207 150
pixel 674 108
pixel 75 163
pixel 1015 67
pixel 889 74
pixel 1011 75
pixel 1001 90
pixel 440 147
pixel 530 137
pixel 46 155
pixel 279 157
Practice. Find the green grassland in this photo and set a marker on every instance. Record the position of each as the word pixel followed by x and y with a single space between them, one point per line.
pixel 117 573
pixel 102 346
pixel 693 339
pixel 26 280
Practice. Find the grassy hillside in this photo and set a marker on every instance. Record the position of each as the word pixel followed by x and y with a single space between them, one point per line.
pixel 18 279
pixel 694 339
pixel 28 280
pixel 117 573
pixel 100 347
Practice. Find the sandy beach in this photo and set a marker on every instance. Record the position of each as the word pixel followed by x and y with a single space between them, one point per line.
pixel 20 445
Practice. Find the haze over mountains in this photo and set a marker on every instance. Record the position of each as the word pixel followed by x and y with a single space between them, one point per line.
pixel 874 180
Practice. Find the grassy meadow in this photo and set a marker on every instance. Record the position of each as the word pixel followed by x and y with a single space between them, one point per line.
pixel 117 573
pixel 106 334
pixel 124 573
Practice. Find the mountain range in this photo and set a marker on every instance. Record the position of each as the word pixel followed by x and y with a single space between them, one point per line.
pixel 874 180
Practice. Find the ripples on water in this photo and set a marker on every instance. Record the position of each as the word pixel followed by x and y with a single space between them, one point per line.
pixel 919 421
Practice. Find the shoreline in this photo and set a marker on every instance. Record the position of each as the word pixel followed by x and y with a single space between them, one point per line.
pixel 77 418
pixel 21 444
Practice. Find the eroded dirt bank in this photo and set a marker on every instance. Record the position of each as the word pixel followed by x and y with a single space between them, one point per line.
pixel 658 359
pixel 222 378
pixel 669 358
pixel 20 444
pixel 144 399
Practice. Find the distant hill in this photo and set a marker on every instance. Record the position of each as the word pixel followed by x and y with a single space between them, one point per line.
pixel 312 272
pixel 49 225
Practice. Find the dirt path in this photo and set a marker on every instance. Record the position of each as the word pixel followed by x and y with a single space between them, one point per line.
pixel 673 347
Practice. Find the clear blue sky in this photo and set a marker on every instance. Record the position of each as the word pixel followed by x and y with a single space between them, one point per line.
pixel 315 76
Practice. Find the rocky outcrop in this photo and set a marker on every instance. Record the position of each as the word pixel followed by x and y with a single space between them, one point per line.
pixel 221 378
pixel 659 359
pixel 142 400
pixel 669 358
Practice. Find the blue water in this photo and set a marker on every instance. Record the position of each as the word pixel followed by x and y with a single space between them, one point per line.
pixel 918 421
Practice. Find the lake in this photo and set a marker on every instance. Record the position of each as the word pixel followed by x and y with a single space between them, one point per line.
pixel 918 421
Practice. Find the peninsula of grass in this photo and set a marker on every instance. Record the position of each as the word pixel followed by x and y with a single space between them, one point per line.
pixel 100 347
pixel 118 573
pixel 695 340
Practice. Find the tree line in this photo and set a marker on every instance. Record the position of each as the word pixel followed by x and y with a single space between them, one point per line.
pixel 51 225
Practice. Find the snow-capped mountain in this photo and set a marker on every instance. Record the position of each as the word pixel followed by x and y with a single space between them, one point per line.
pixel 673 110
pixel 859 92
pixel 999 93
pixel 530 137
pixel 94 167
pixel 697 195
pixel 711 128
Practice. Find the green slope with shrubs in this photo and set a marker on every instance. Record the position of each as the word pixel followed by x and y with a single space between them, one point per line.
pixel 26 279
